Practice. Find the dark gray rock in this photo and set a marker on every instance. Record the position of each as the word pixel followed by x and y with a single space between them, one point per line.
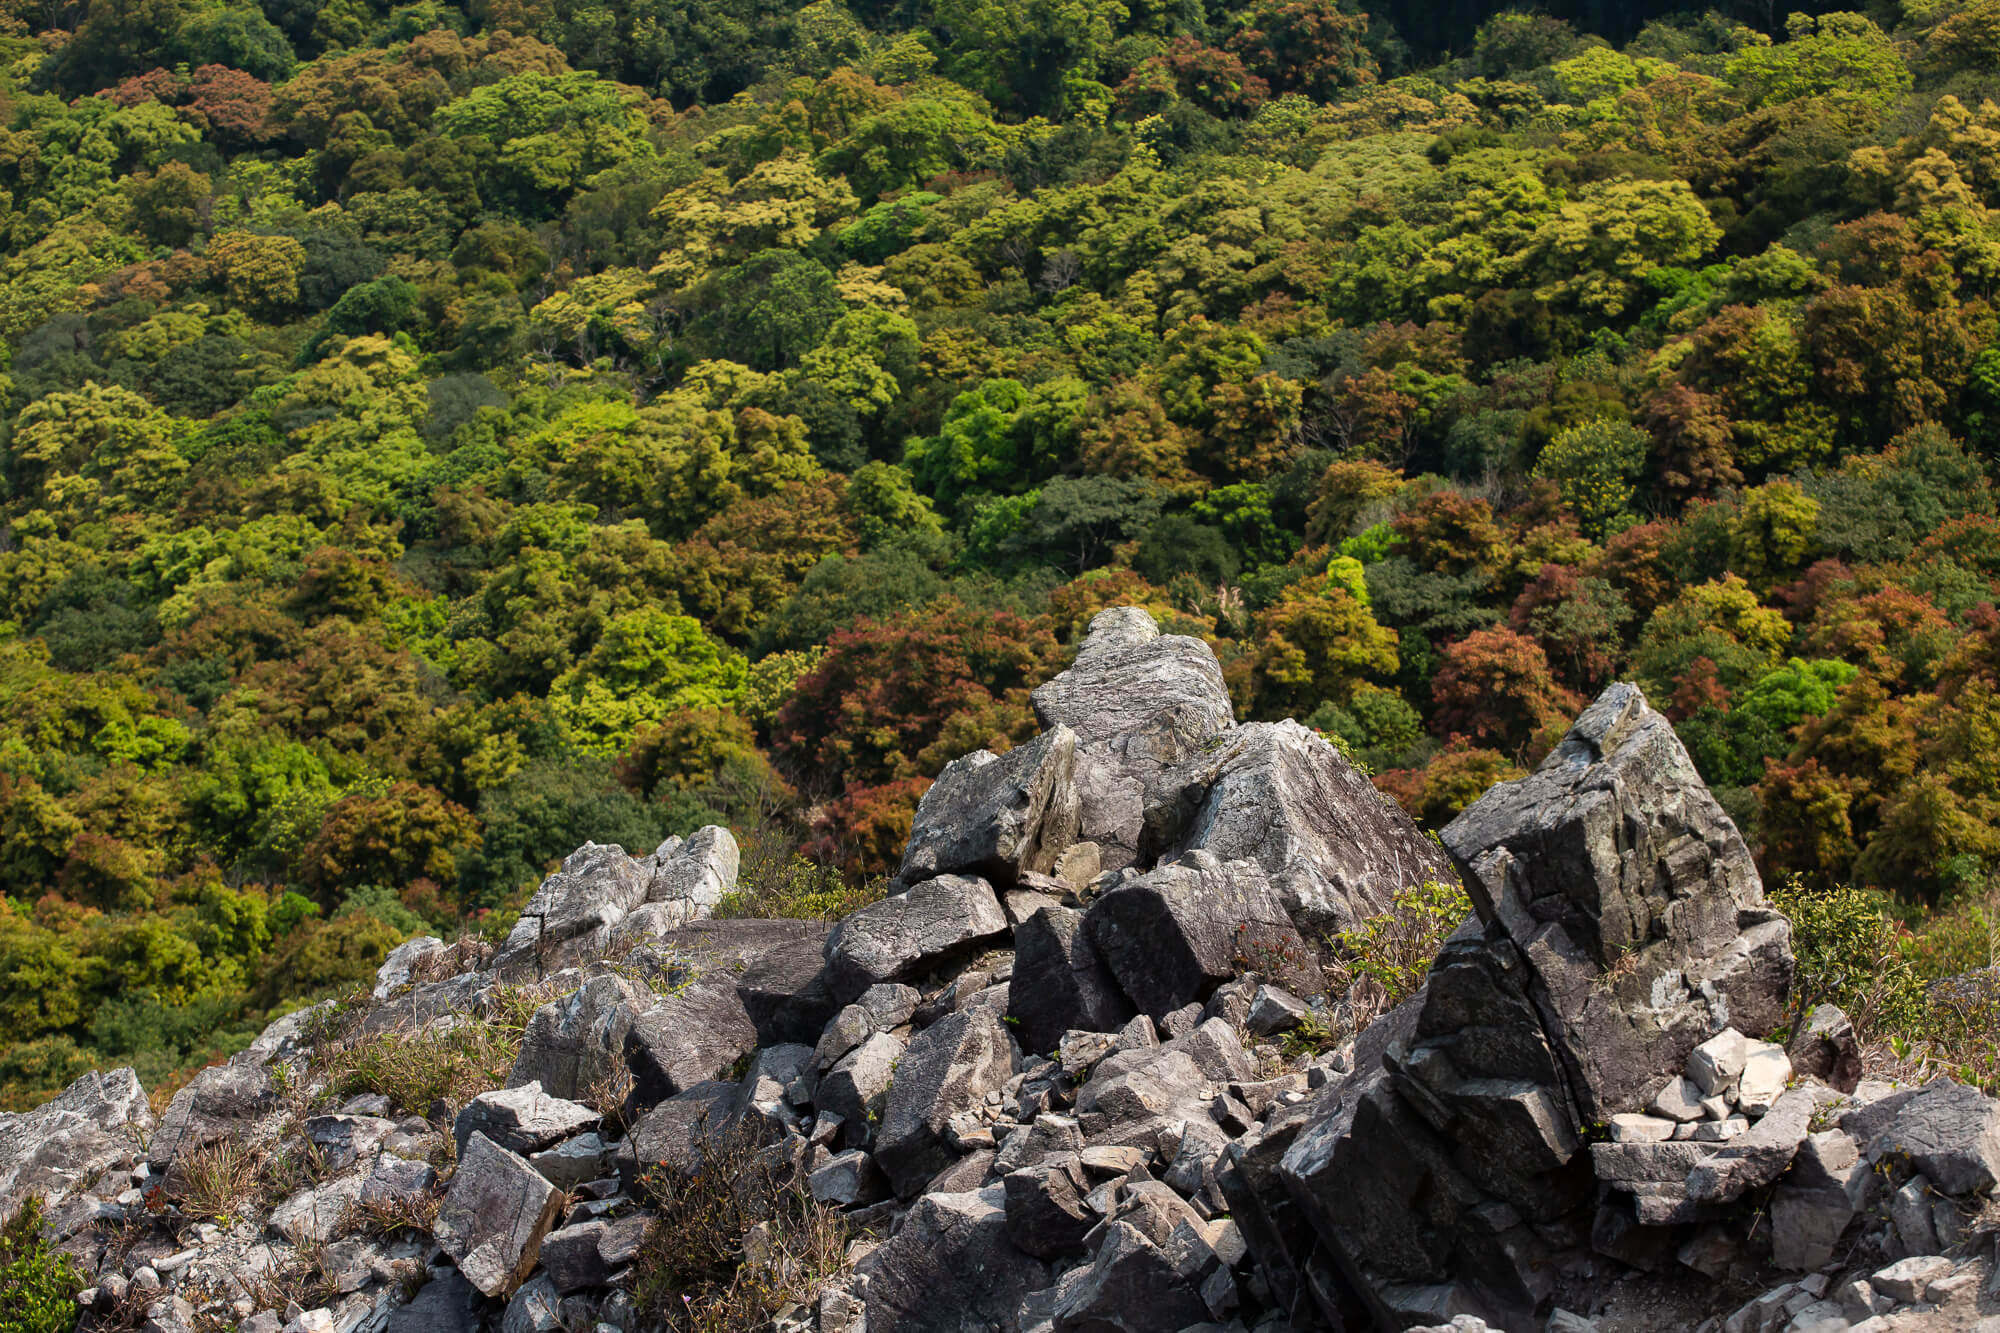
pixel 1046 1212
pixel 732 986
pixel 1633 898
pixel 1949 1132
pixel 59 1148
pixel 857 1088
pixel 950 1268
pixel 446 1304
pixel 494 1217
pixel 577 1043
pixel 1277 793
pixel 1138 1102
pixel 570 917
pixel 1173 935
pixel 1130 1287
pixel 1757 1158
pixel 909 935
pixel 522 1120
pixel 396 1180
pixel 848 1180
pixel 221 1102
pixel 586 1255
pixel 1140 703
pixel 344 1140
pixel 1827 1187
pixel 674 1135
pixel 948 1068
pixel 1060 982
pixel 1825 1048
pixel 997 816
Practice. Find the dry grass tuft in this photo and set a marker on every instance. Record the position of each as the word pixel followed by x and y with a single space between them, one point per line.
pixel 220 1180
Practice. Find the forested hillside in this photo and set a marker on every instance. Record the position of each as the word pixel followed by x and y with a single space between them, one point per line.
pixel 435 436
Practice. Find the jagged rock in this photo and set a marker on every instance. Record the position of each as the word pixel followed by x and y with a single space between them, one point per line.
pixel 693 876
pixel 1137 1103
pixel 1173 935
pixel 535 1308
pixel 1828 1184
pixel 1049 1136
pixel 1907 1279
pixel 396 1180
pixel 997 816
pixel 1131 1287
pixel 950 1268
pixel 1825 1048
pixel 396 969
pixel 577 1043
pixel 573 1162
pixel 586 1255
pixel 1277 793
pixel 1140 703
pixel 320 1213
pixel 1274 1009
pixel 1046 1212
pixel 949 1067
pixel 521 1120
pixel 1759 1156
pixel 910 934
pixel 848 1180
pixel 1060 983
pixel 1216 1052
pixel 447 1304
pixel 343 1140
pixel 734 986
pixel 857 1088
pixel 570 917
pixel 1946 1130
pixel 97 1122
pixel 221 1102
pixel 675 1133
pixel 495 1215
pixel 1633 898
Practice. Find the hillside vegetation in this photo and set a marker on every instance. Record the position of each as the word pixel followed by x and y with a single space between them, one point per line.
pixel 438 435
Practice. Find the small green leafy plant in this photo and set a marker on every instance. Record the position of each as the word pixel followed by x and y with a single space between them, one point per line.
pixel 38 1285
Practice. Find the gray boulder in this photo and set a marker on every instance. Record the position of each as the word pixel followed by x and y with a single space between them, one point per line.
pixel 1825 1047
pixel 911 934
pixel 997 816
pixel 1060 982
pixel 494 1217
pixel 344 1140
pixel 1947 1131
pixel 950 1268
pixel 1130 1287
pixel 857 1087
pixel 1277 793
pixel 222 1102
pixel 569 919
pixel 576 1044
pixel 1140 703
pixel 1173 935
pixel 1046 1212
pixel 447 1304
pixel 948 1068
pixel 522 1120
pixel 397 968
pixel 1633 898
pixel 675 1134
pixel 587 1254
pixel 689 878
pixel 395 1181
pixel 94 1124
pixel 1827 1187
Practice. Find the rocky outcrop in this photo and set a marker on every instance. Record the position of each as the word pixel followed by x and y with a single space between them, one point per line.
pixel 1052 1100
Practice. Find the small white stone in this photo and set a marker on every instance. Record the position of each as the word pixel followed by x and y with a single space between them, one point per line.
pixel 1718 1062
pixel 1718 1131
pixel 1679 1100
pixel 1631 1128
pixel 1766 1071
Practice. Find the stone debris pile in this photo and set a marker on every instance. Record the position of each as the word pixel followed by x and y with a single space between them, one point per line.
pixel 1080 1073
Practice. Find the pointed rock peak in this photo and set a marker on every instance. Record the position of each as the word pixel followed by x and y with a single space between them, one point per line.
pixel 1116 628
pixel 1130 678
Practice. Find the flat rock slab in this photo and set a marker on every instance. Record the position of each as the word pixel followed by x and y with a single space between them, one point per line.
pixel 908 935
pixel 494 1217
pixel 1173 935
pixel 1949 1132
pixel 997 816
pixel 522 1120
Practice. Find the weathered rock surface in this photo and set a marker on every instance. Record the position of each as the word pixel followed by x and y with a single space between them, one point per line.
pixel 948 1068
pixel 569 919
pixel 1173 935
pixel 910 934
pixel 522 1119
pixel 1278 794
pixel 1140 703
pixel 1060 981
pixel 951 1269
pixel 223 1102
pixel 97 1122
pixel 576 1044
pixel 997 816
pixel 494 1217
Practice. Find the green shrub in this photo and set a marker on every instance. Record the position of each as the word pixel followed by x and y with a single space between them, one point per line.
pixel 1849 952
pixel 1396 948
pixel 38 1286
